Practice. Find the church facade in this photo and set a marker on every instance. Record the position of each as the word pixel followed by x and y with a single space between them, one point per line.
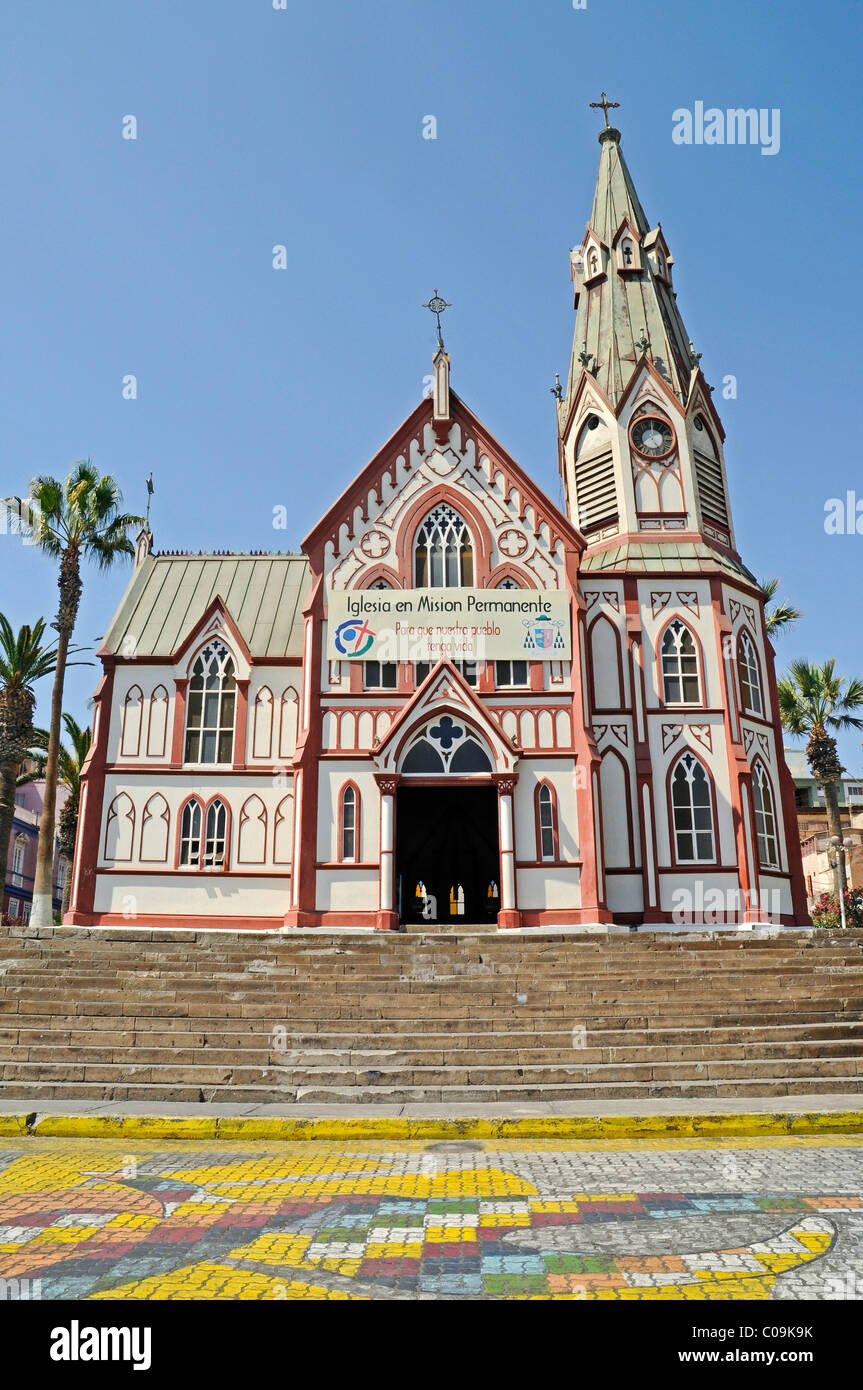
pixel 458 704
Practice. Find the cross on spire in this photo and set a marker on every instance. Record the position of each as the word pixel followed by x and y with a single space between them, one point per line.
pixel 606 107
pixel 437 305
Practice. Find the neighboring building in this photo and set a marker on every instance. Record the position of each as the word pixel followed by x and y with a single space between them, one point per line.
pixel 21 868
pixel 812 826
pixel 458 702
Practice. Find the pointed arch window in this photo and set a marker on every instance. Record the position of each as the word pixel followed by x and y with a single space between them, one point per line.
pixel 190 834
pixel 443 551
pixel 546 823
pixel 680 680
pixel 207 850
pixel 349 823
pixel 692 812
pixel 749 673
pixel 211 707
pixel 765 817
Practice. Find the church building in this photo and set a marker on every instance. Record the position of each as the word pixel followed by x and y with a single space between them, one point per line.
pixel 458 704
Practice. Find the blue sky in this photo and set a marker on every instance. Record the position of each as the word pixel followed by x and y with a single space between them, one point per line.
pixel 303 127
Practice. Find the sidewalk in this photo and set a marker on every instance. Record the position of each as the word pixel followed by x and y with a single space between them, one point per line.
pixel 613 1119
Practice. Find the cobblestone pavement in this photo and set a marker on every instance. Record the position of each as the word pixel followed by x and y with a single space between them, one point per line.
pixel 685 1219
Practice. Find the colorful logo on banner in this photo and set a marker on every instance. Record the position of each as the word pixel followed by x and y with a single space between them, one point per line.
pixel 543 634
pixel 354 637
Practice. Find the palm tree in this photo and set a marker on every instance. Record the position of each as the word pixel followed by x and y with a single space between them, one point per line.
pixel 780 614
pixel 78 516
pixel 24 658
pixel 70 765
pixel 812 701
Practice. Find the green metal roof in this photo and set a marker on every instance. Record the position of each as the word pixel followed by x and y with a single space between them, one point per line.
pixel 168 594
pixel 612 316
pixel 650 557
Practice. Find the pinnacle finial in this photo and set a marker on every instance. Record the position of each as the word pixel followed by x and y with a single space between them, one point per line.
pixel 150 491
pixel 606 106
pixel 437 305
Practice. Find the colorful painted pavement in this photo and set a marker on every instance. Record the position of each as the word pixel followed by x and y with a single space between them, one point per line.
pixel 546 1219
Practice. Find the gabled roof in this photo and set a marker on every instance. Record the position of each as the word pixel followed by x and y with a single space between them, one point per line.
pixel 169 595
pixel 444 689
pixel 370 479
pixel 612 317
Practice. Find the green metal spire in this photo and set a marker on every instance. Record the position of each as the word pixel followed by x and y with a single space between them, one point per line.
pixel 625 309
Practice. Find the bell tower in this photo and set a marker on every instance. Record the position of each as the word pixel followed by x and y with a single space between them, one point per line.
pixel 641 444
pixel 682 693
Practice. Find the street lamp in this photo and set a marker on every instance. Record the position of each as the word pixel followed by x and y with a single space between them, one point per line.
pixel 838 860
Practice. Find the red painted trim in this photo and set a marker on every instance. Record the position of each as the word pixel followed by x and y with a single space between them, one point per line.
pixel 243 819
pixel 241 724
pixel 255 713
pixel 92 797
pixel 132 753
pixel 510 570
pixel 612 752
pixel 198 638
pixel 279 817
pixel 470 513
pixel 178 736
pixel 147 815
pixel 156 698
pixel 743 712
pixel 595 706
pixel 114 815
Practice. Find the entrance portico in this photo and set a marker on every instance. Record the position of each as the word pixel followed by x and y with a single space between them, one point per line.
pixel 446 776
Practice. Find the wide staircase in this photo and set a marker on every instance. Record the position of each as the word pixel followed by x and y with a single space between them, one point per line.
pixel 325 1017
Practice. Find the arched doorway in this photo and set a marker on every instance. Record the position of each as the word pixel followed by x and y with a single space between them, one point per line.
pixel 447 854
pixel 447 842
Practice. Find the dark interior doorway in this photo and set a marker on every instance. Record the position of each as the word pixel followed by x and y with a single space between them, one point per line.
pixel 447 854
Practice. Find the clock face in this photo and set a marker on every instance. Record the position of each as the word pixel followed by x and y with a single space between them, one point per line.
pixel 652 437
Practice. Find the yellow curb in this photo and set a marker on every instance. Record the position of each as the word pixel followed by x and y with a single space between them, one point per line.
pixel 14 1124
pixel 676 1126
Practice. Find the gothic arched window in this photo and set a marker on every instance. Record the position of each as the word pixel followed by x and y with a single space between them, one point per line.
pixel 750 675
pixel 692 812
pixel 680 683
pixel 546 822
pixel 211 707
pixel 349 820
pixel 190 834
pixel 443 551
pixel 765 817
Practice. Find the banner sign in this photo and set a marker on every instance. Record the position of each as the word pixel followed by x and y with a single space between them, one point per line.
pixel 457 624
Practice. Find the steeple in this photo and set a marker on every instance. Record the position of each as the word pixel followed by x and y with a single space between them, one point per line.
pixel 640 439
pixel 624 296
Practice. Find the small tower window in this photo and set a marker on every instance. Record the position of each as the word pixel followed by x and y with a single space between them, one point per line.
pixel 349 821
pixel 680 683
pixel 750 675
pixel 692 811
pixel 765 817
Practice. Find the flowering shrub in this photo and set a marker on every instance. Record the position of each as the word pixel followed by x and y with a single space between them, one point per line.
pixel 826 913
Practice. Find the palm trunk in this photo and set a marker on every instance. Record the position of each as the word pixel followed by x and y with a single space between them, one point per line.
pixel 8 779
pixel 67 889
pixel 834 827
pixel 42 914
pixel 69 581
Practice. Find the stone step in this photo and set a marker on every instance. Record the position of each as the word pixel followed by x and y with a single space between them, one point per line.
pixel 635 1094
